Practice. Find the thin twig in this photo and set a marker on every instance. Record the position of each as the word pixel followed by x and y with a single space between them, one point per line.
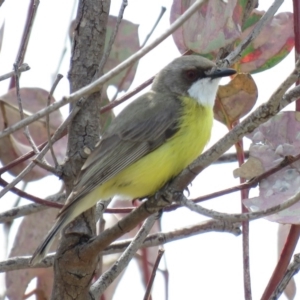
pixel 22 68
pixel 239 146
pixel 96 85
pixel 58 78
pixel 7 225
pixel 67 37
pixel 240 217
pixel 155 267
pixel 288 160
pixel 47 167
pixel 115 103
pixel 23 158
pixel 282 264
pixel 33 6
pixel 229 158
pixel 250 5
pixel 162 11
pixel 29 196
pixel 235 55
pixel 26 129
pixel 292 270
pixel 28 209
pixel 112 38
pixel 27 32
pixel 109 276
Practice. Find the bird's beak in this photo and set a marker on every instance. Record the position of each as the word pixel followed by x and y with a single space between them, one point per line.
pixel 220 72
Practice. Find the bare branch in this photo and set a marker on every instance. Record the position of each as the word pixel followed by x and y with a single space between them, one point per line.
pixel 240 217
pixel 27 32
pixel 47 167
pixel 163 10
pixel 161 238
pixel 229 158
pixel 22 262
pixel 20 159
pixel 22 68
pixel 28 196
pixel 57 80
pixel 26 129
pixel 292 270
pixel 155 267
pixel 112 38
pixel 33 6
pixel 98 288
pixel 235 55
pixel 288 160
pixel 28 209
pixel 128 95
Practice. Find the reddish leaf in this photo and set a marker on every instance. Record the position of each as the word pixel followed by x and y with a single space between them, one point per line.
pixel 273 44
pixel 272 141
pixel 235 99
pixel 215 25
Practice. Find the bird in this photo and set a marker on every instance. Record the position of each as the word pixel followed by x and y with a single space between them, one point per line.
pixel 150 142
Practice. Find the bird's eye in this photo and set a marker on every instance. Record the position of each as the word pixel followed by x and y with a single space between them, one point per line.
pixel 191 75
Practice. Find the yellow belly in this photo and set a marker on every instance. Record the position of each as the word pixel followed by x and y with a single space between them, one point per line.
pixel 151 172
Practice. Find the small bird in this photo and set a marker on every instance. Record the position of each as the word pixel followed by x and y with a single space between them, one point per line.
pixel 150 142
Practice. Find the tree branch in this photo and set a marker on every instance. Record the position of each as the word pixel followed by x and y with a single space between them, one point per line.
pixel 157 239
pixel 22 68
pixel 240 217
pixel 155 267
pixel 56 81
pixel 28 209
pixel 292 270
pixel 235 55
pixel 98 288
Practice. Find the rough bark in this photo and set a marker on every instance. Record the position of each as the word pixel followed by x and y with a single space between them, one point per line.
pixel 73 274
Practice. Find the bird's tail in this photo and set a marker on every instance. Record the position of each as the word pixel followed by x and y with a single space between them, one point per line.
pixel 68 213
pixel 44 247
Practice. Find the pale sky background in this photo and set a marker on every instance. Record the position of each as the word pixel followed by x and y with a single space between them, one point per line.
pixel 207 266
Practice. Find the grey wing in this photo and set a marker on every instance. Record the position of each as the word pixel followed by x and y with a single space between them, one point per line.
pixel 140 128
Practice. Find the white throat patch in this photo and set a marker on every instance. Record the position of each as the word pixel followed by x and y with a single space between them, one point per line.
pixel 204 91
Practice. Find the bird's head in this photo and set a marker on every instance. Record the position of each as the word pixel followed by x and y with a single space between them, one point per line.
pixel 192 76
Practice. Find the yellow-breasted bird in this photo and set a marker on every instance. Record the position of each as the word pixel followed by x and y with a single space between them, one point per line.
pixel 151 141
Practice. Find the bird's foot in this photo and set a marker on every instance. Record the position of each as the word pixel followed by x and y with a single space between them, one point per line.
pixel 168 195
